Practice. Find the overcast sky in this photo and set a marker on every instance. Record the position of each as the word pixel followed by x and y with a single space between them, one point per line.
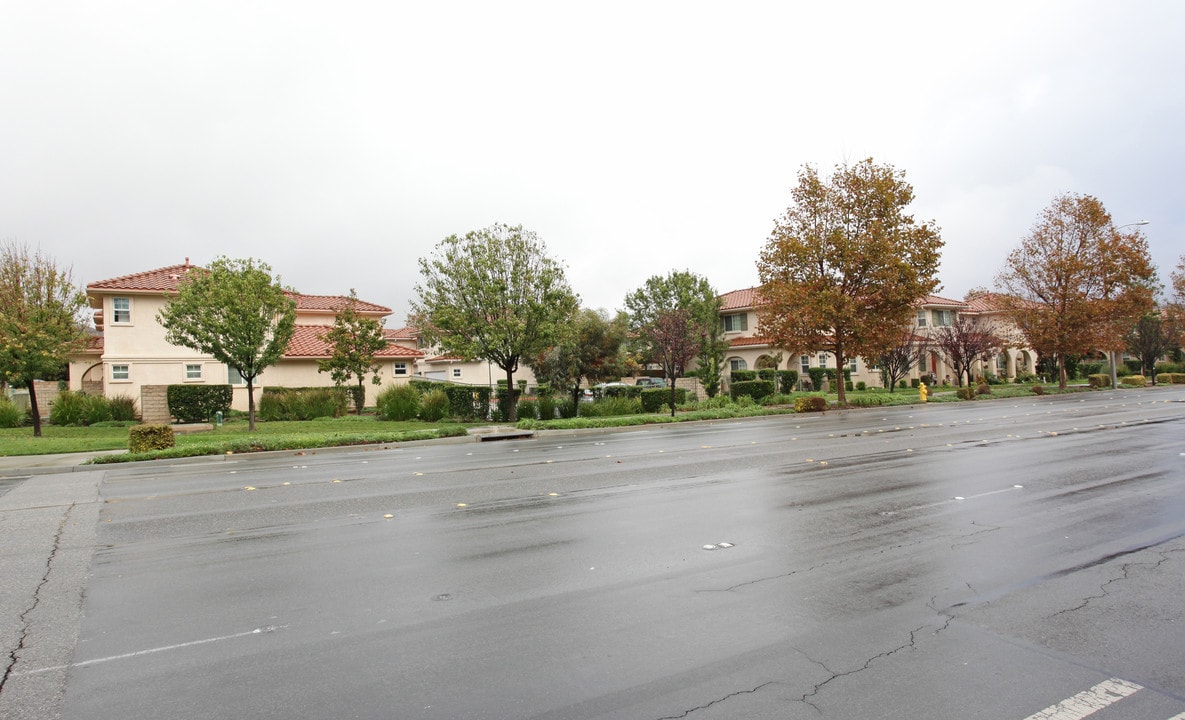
pixel 339 142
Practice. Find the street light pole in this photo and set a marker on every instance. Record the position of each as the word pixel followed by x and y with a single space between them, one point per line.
pixel 1111 353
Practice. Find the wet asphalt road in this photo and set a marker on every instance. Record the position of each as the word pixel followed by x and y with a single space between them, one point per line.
pixel 950 561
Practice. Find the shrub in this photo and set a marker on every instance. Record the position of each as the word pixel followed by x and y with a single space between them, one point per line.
pixel 299 403
pixel 770 374
pixel 612 407
pixel 1133 381
pixel 546 406
pixel 78 408
pixel 914 382
pixel 1038 390
pixel 198 403
pixel 901 384
pixel 810 403
pixel 817 375
pixel 1174 378
pixel 567 408
pixel 1099 380
pixel 787 380
pixel 983 389
pixel 400 403
pixel 656 399
pixel 755 389
pixel 742 376
pixel 467 402
pixel 777 399
pixel 143 438
pixel 10 415
pixel 966 393
pixel 1092 368
pixel 434 405
pixel 122 408
pixel 861 386
pixel 867 400
pixel 847 385
pixel 527 409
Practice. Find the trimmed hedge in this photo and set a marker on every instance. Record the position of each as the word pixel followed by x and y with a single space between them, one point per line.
pixel 817 376
pixel 198 403
pixel 787 381
pixel 755 389
pixel 742 376
pixel 965 393
pixel 1098 380
pixel 655 399
pixel 1173 378
pixel 810 403
pixel 1133 381
pixel 145 438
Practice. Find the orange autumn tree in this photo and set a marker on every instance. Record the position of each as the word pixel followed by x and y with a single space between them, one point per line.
pixel 845 265
pixel 1076 283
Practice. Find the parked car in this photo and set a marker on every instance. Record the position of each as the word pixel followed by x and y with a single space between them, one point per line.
pixel 651 382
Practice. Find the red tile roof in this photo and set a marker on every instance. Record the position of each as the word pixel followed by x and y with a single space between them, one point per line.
pixel 168 279
pixel 749 341
pixel 333 303
pixel 404 333
pixel 164 279
pixel 738 299
pixel 307 342
pixel 935 300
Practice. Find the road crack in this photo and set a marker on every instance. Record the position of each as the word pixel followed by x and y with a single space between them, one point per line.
pixel 14 655
pixel 1104 589
pixel 719 700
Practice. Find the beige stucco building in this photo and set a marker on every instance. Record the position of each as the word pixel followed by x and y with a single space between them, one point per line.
pixel 130 351
pixel 750 350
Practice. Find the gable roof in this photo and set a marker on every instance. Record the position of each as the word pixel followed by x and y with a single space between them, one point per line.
pixel 941 301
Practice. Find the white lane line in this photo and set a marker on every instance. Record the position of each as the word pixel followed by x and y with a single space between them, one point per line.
pixel 150 651
pixel 1088 702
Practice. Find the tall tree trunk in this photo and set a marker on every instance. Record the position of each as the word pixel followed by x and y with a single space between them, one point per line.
pixel 34 412
pixel 840 387
pixel 1061 372
pixel 511 401
pixel 250 404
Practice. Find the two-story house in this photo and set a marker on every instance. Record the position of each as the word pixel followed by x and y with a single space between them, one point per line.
pixel 131 352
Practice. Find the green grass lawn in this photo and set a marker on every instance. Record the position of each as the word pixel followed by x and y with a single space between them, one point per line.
pixel 233 436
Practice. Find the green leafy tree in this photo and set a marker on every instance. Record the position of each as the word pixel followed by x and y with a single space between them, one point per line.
pixel 235 312
pixel 1076 283
pixel 846 264
pixel 41 319
pixel 356 339
pixel 494 295
pixel 679 296
pixel 593 352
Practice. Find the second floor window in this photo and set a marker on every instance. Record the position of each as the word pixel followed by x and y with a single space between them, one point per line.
pixel 944 318
pixel 735 323
pixel 121 310
pixel 400 368
pixel 121 372
pixel 921 318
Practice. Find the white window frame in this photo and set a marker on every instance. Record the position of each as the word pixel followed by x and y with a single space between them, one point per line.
pixel 233 377
pixel 852 365
pixel 456 372
pixel 805 363
pixel 822 360
pixel 121 372
pixel 921 318
pixel 115 311
pixel 944 318
pixel 737 363
pixel 399 368
pixel 198 377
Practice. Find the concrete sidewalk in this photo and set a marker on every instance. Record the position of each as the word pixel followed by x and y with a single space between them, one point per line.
pixel 43 464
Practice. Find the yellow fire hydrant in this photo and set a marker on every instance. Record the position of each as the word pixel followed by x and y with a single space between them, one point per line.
pixel 923 392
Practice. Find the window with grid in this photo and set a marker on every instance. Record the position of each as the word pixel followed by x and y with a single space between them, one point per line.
pixel 193 371
pixel 121 310
pixel 121 372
